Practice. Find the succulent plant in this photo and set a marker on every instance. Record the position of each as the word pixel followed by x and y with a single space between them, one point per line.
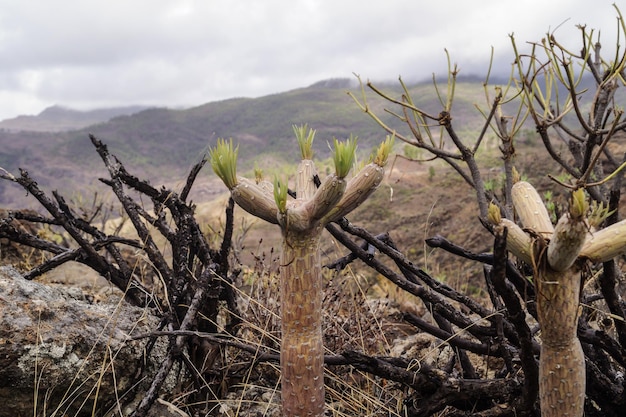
pixel 302 221
pixel 557 255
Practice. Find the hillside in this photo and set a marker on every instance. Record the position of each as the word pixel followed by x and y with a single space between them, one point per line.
pixel 59 119
pixel 162 144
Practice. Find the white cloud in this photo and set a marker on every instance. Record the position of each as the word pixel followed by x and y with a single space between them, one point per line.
pixel 92 53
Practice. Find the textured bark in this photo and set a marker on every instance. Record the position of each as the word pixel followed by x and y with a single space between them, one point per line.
pixel 562 379
pixel 302 348
pixel 562 362
pixel 302 221
pixel 605 244
pixel 566 242
pixel 517 241
pixel 557 279
pixel 530 209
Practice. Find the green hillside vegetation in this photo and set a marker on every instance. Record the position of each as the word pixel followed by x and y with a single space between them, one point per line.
pixel 162 144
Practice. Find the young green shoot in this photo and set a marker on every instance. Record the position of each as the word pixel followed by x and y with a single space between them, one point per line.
pixel 280 195
pixel 305 137
pixel 598 214
pixel 344 156
pixel 578 205
pixel 258 174
pixel 384 150
pixel 493 214
pixel 223 158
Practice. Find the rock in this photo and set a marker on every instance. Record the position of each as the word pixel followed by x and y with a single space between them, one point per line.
pixel 59 352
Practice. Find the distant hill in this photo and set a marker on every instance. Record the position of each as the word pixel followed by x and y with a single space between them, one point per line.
pixel 162 144
pixel 59 119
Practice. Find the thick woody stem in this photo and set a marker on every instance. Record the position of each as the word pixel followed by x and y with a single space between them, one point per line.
pixel 569 234
pixel 257 200
pixel 517 241
pixel 358 189
pixel 530 209
pixel 302 349
pixel 562 380
pixel 606 244
pixel 330 192
pixel 562 363
pixel 557 305
pixel 566 243
pixel 305 185
pixel 302 221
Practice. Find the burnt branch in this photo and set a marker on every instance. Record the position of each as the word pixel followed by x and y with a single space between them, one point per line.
pixel 185 288
pixel 516 314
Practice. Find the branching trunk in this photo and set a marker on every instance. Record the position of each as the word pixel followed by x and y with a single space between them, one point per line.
pixel 302 221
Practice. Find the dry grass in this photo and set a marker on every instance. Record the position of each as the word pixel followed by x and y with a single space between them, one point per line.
pixel 362 311
pixel 348 321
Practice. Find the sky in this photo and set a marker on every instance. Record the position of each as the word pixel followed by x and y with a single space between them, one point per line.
pixel 181 53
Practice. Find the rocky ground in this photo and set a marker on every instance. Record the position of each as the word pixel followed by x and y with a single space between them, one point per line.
pixel 363 311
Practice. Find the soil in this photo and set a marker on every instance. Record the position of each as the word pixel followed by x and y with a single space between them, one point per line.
pixel 415 201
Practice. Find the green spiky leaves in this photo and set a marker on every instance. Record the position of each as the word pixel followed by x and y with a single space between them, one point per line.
pixel 223 158
pixel 344 156
pixel 493 214
pixel 305 137
pixel 598 214
pixel 384 150
pixel 578 204
pixel 258 174
pixel 280 194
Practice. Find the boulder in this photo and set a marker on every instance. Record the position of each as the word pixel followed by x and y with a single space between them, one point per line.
pixel 63 354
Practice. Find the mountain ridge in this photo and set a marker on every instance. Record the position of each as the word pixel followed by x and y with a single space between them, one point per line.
pixel 162 144
pixel 58 118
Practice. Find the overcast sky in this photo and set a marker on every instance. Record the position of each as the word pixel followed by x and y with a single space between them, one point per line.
pixel 89 54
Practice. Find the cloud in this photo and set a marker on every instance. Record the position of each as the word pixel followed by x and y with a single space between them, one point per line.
pixel 91 53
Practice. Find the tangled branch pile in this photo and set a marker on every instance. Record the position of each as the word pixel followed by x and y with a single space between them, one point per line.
pixel 220 341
